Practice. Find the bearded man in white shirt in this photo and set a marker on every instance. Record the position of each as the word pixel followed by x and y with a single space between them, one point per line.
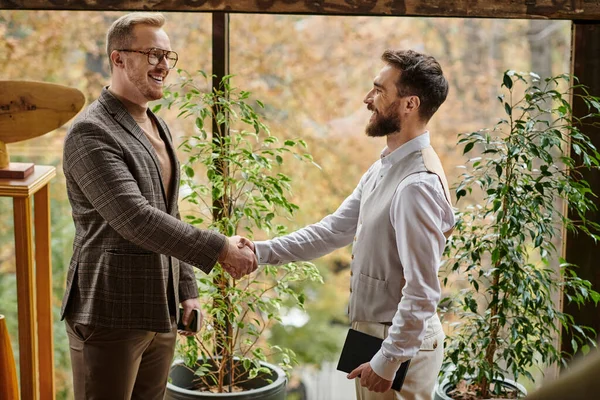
pixel 397 220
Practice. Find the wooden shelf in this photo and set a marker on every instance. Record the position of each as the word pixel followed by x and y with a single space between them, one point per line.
pixel 42 174
pixel 34 280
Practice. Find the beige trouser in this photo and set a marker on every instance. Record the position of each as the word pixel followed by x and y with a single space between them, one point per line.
pixel 424 367
pixel 119 364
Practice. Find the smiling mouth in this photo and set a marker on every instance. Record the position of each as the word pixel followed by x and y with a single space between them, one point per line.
pixel 158 79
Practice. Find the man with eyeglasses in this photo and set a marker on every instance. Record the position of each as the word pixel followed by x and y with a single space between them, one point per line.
pixel 132 255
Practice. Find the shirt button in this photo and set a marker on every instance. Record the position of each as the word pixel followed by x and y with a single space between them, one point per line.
pixel 352 257
pixel 351 273
pixel 350 290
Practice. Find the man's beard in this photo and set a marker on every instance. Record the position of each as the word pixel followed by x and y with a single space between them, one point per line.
pixel 141 82
pixel 384 125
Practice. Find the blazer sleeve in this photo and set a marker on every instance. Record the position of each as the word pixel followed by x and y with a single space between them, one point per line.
pixel 188 288
pixel 95 161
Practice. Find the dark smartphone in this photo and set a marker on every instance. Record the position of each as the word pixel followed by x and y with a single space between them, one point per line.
pixel 194 323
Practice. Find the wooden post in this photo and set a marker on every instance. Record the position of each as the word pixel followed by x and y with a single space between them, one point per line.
pixel 4 156
pixel 220 68
pixel 9 387
pixel 580 249
pixel 43 283
pixel 28 355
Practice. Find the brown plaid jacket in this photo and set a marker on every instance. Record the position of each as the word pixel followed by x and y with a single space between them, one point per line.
pixel 127 233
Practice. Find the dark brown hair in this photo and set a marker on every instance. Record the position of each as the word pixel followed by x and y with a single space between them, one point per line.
pixel 420 75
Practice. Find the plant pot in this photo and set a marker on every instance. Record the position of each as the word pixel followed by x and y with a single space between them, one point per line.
pixel 442 389
pixel 181 385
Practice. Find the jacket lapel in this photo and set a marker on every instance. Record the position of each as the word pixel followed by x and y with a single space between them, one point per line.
pixel 122 116
pixel 166 135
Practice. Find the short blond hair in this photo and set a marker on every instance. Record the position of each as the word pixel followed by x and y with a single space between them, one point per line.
pixel 120 34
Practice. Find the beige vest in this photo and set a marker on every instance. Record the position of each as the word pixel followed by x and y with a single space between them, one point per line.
pixel 377 276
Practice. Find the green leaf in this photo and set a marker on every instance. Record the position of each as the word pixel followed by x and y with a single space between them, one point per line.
pixel 189 171
pixel 497 204
pixel 301 298
pixel 507 81
pixel 468 147
pixel 539 187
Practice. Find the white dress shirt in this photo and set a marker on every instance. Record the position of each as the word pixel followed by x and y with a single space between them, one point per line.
pixel 419 214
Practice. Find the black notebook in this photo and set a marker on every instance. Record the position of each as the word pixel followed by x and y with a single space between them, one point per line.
pixel 360 348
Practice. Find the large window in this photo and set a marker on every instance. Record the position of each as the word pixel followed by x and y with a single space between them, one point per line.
pixel 312 72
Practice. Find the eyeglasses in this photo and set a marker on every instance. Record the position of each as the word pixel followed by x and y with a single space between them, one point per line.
pixel 155 56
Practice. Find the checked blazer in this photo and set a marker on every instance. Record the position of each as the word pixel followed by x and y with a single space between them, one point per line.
pixel 130 243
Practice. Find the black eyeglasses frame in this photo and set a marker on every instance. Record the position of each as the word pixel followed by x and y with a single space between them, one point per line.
pixel 148 53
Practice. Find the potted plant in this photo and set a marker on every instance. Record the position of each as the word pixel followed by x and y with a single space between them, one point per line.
pixel 504 319
pixel 240 190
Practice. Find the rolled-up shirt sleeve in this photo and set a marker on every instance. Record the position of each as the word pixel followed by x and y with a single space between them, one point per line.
pixel 419 214
pixel 332 232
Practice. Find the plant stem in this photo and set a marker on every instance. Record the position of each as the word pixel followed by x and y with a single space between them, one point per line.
pixel 490 351
pixel 221 211
pixel 243 317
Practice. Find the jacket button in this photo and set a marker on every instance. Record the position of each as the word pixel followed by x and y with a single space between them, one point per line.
pixel 351 273
pixel 350 290
pixel 355 238
pixel 435 345
pixel 352 257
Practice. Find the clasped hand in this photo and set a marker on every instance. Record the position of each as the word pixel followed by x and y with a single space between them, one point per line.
pixel 238 259
pixel 369 379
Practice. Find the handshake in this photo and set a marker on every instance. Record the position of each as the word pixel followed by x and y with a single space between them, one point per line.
pixel 237 257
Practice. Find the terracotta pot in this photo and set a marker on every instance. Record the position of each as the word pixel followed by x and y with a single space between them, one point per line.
pixel 9 389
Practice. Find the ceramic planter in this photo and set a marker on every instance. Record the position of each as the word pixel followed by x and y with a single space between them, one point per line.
pixel 181 384
pixel 441 390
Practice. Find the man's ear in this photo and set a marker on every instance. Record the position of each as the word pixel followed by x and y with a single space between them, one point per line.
pixel 116 59
pixel 412 104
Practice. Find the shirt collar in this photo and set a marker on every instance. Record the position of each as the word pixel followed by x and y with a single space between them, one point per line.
pixel 419 143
